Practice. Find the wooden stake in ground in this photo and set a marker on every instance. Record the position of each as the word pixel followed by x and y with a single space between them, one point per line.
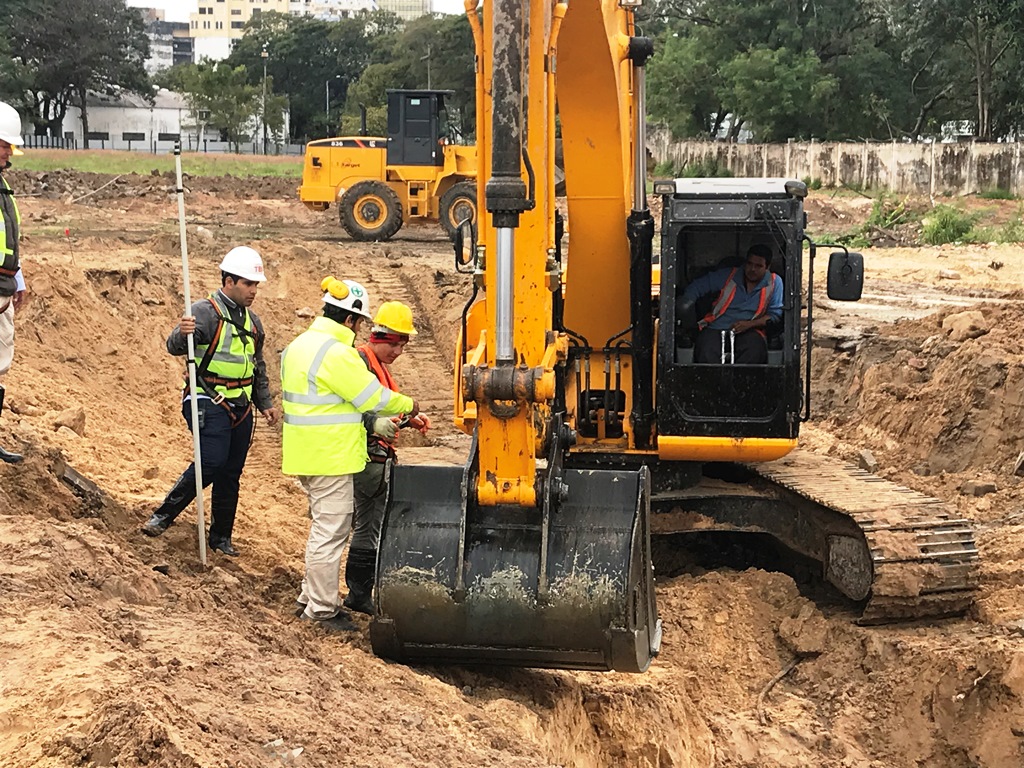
pixel 191 359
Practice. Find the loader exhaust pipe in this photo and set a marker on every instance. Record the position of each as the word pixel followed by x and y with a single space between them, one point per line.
pixel 640 231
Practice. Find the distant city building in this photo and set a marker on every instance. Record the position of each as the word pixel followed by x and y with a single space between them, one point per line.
pixel 169 41
pixel 405 9
pixel 218 23
pixel 330 10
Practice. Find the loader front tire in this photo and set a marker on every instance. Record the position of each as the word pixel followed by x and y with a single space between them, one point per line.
pixel 371 211
pixel 456 205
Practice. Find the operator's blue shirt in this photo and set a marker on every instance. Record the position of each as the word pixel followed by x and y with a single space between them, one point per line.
pixel 744 303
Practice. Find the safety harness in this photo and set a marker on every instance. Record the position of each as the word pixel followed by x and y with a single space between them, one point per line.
pixel 728 293
pixel 208 381
pixel 379 449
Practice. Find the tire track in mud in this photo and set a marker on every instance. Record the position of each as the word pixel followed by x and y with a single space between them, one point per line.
pixel 425 369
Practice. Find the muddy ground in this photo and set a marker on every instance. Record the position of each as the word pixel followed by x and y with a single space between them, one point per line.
pixel 122 650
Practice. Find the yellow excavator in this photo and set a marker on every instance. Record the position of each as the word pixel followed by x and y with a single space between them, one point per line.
pixel 593 423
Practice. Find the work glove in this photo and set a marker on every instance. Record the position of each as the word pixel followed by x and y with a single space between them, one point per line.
pixel 420 423
pixel 385 427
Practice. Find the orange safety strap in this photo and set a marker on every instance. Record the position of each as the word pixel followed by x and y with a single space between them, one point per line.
pixel 384 377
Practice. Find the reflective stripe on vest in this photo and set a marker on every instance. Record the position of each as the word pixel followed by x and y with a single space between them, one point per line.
pixel 8 264
pixel 728 293
pixel 234 356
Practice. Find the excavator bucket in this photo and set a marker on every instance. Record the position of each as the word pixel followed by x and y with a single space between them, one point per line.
pixel 565 586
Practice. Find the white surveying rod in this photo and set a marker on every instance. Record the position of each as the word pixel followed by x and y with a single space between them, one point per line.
pixel 191 360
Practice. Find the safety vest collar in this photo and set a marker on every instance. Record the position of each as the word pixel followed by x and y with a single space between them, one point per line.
pixel 342 333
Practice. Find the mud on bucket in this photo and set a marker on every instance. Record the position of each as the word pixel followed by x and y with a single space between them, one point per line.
pixel 466 584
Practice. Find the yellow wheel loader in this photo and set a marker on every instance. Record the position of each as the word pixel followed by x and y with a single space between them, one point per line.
pixel 378 182
pixel 594 423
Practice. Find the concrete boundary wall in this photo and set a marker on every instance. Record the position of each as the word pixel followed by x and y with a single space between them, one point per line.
pixel 934 168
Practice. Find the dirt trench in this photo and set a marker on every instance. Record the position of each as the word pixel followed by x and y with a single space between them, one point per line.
pixel 122 650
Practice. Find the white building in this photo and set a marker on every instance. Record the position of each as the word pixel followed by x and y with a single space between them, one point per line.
pixel 127 121
pixel 330 10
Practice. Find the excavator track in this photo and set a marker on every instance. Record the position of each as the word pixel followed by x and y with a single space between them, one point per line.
pixel 901 554
pixel 923 557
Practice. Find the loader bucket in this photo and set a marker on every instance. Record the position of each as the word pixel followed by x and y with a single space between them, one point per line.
pixel 464 584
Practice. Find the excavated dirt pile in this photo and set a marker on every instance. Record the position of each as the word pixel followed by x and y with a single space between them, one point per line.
pixel 122 650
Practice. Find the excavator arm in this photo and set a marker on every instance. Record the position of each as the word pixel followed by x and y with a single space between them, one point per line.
pixel 527 556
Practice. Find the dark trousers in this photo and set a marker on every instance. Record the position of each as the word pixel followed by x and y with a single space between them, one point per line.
pixel 223 448
pixel 750 347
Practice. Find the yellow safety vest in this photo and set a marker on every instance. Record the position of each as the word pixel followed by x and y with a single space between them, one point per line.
pixel 8 263
pixel 233 362
pixel 326 388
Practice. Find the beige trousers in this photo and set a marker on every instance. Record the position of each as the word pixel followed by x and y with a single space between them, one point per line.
pixel 331 504
pixel 6 335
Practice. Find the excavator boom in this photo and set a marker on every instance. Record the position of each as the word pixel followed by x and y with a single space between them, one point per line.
pixel 521 558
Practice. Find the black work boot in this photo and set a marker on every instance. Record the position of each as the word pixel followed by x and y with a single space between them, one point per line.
pixel 225 546
pixel 359 576
pixel 180 496
pixel 157 524
pixel 7 457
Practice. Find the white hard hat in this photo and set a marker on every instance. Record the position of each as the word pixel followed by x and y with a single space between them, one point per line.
pixel 347 294
pixel 245 262
pixel 10 125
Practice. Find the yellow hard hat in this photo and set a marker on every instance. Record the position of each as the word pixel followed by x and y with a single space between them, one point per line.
pixel 396 317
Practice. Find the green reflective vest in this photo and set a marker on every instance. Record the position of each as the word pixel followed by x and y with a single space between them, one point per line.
pixel 8 260
pixel 326 388
pixel 233 362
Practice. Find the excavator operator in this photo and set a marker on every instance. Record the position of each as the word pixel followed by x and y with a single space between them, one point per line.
pixel 733 330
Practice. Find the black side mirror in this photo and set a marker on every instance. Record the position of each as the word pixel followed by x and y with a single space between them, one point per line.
pixel 464 241
pixel 316 161
pixel 845 276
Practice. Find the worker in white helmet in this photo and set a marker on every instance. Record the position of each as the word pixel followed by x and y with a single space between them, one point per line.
pixel 326 389
pixel 12 283
pixel 232 381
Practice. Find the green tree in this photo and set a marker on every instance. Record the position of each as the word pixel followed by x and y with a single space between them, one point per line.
pixel 961 48
pixel 65 49
pixel 220 98
pixel 304 53
pixel 780 94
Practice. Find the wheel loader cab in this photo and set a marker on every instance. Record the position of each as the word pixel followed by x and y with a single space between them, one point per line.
pixel 417 127
pixel 709 224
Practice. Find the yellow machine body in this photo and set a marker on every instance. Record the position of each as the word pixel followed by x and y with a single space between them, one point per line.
pixel 332 166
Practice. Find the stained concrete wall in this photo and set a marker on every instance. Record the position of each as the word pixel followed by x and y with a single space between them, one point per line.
pixel 933 168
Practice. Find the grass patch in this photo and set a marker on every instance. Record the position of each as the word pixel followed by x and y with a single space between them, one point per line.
pixel 192 163
pixel 997 194
pixel 887 211
pixel 707 167
pixel 666 169
pixel 946 224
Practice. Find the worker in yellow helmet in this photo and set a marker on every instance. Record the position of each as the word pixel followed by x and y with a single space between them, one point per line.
pixel 392 328
pixel 326 389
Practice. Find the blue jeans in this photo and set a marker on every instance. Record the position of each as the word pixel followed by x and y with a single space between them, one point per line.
pixel 223 450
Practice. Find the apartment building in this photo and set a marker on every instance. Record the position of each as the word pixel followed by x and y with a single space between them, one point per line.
pixel 406 9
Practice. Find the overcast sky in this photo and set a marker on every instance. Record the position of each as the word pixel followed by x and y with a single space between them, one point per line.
pixel 178 10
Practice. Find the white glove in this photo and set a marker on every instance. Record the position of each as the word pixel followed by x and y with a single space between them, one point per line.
pixel 385 427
